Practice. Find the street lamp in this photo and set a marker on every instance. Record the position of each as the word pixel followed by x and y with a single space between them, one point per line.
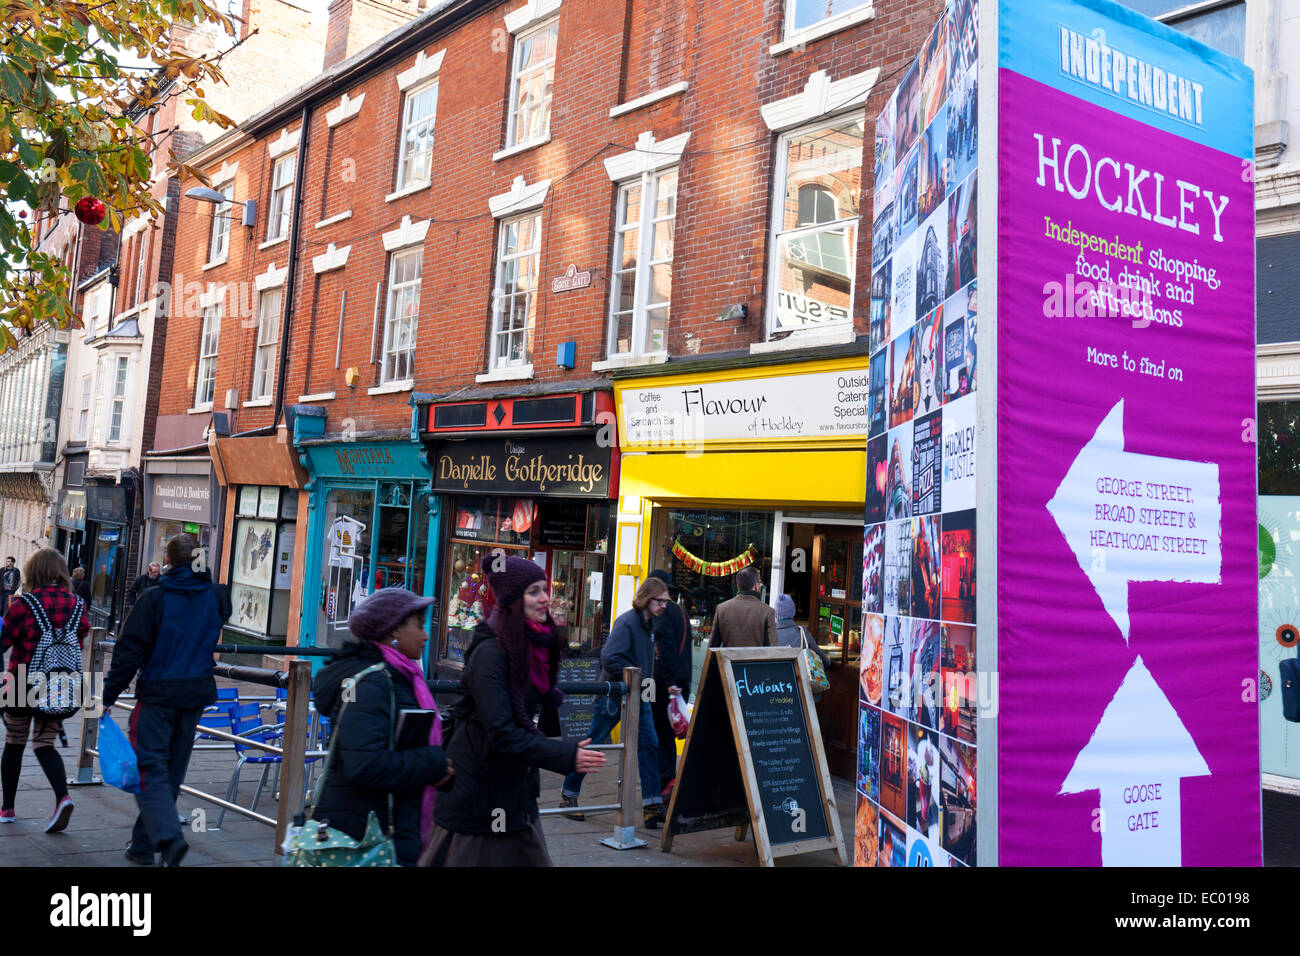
pixel 204 194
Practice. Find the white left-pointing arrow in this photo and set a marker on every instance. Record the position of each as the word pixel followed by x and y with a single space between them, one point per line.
pixel 1137 756
pixel 1130 517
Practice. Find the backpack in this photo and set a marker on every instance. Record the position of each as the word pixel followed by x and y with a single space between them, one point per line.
pixel 1289 671
pixel 57 660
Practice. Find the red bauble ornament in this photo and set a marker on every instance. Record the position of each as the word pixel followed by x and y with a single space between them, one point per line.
pixel 90 210
pixel 22 213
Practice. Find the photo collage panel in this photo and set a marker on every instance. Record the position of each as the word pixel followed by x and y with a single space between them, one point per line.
pixel 918 688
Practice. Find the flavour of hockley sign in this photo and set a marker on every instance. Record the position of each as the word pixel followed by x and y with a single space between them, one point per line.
pixel 812 405
pixel 575 466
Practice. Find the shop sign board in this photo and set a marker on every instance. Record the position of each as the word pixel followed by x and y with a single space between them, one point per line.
pixel 181 498
pixel 572 466
pixel 754 757
pixel 806 405
pixel 1115 156
pixel 106 504
pixel 395 459
pixel 1126 457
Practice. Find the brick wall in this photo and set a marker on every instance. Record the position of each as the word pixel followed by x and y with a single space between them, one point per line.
pixel 355 24
pixel 607 54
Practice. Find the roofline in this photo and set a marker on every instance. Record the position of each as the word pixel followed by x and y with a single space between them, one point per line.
pixel 356 68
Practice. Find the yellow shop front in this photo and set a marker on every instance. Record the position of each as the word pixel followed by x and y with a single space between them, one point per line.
pixel 729 465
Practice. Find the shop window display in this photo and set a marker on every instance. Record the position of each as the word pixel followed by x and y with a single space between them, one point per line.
pixel 569 539
pixel 260 569
pixel 703 549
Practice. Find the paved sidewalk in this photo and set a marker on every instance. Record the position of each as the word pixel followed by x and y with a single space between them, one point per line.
pixel 101 823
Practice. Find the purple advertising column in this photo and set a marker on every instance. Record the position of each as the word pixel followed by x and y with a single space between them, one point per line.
pixel 1127 723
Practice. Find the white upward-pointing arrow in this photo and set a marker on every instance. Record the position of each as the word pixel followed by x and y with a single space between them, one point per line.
pixel 1136 758
pixel 1131 517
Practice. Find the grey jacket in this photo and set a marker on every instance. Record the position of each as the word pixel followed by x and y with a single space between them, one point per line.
pixel 630 644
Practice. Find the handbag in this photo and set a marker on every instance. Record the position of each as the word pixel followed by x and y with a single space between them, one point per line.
pixel 816 671
pixel 316 843
pixel 1289 672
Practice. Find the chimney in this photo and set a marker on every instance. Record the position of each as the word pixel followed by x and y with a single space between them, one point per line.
pixel 355 24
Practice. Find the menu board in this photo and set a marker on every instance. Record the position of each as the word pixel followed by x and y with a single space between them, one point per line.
pixel 753 757
pixel 578 709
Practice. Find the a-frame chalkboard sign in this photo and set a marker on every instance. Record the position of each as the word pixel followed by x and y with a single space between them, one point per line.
pixel 754 756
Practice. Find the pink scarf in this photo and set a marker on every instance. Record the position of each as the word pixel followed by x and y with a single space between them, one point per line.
pixel 424 697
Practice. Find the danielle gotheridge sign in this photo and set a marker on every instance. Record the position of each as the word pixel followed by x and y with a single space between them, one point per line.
pixel 810 405
pixel 1128 728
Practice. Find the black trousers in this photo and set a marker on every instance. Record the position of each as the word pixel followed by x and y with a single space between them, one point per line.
pixel 664 729
pixel 163 738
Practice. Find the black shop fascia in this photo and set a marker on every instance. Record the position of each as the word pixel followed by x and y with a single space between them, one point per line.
pixel 537 477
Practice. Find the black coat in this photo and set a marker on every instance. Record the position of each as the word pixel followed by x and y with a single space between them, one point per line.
pixel 365 770
pixel 496 759
pixel 672 633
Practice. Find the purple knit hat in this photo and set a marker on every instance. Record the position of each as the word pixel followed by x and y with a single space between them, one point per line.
pixel 509 585
pixel 378 615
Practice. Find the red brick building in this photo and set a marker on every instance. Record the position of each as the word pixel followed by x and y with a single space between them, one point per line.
pixel 464 231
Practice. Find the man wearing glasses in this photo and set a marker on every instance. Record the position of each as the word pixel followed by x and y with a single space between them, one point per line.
pixel 630 644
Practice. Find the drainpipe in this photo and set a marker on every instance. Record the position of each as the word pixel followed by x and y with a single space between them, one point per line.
pixel 290 280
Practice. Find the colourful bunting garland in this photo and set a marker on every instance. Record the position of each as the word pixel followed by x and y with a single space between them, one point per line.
pixel 715 569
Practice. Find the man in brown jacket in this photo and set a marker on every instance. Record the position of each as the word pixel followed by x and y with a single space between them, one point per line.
pixel 744 621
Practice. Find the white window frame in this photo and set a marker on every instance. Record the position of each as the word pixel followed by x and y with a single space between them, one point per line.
pixel 777 230
pixel 398 355
pixel 643 275
pixel 219 236
pixel 409 125
pixel 83 413
pixel 120 372
pixel 141 265
pixel 209 339
pixel 512 105
pixel 858 13
pixel 280 209
pixel 500 296
pixel 268 342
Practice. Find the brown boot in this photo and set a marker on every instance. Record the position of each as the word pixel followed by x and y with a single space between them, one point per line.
pixel 568 801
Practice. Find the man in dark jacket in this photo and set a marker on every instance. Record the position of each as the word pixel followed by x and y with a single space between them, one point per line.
pixel 168 639
pixel 630 644
pixel 672 635
pixel 10 578
pixel 152 575
pixel 744 621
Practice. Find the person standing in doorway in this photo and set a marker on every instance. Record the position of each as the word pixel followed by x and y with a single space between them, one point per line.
pixel 80 586
pixel 672 634
pixel 168 639
pixel 10 579
pixel 630 644
pixel 744 621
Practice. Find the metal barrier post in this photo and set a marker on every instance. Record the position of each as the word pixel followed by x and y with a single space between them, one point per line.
pixel 625 837
pixel 294 763
pixel 89 743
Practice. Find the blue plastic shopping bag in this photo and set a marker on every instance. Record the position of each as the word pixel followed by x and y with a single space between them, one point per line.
pixel 117 757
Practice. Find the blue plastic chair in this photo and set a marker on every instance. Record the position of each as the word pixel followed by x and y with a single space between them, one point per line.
pixel 217 716
pixel 246 721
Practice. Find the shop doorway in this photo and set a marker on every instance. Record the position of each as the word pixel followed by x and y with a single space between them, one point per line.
pixel 375 537
pixel 821 570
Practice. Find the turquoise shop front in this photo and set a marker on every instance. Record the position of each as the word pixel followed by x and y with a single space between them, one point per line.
pixel 373 523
